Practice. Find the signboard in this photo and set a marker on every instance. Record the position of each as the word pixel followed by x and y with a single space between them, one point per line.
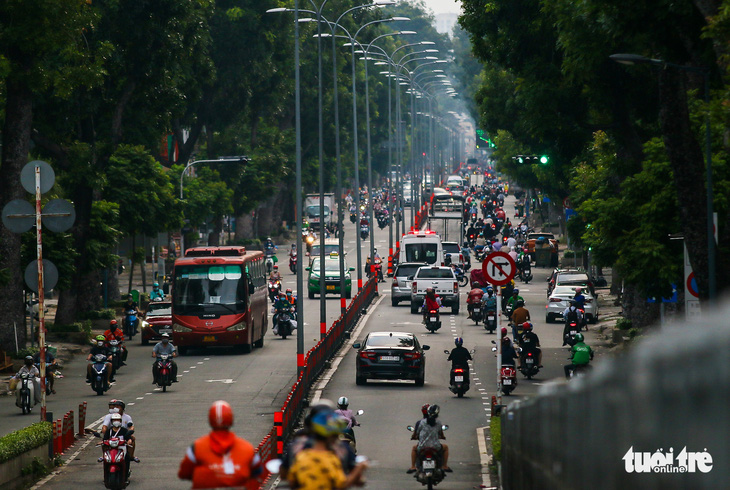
pixel 498 268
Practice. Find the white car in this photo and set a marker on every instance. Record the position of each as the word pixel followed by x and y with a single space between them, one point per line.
pixel 560 298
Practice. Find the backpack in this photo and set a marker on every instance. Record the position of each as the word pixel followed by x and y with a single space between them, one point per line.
pixel 572 316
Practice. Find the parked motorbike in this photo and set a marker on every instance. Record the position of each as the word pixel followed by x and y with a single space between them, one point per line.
pixel 274 289
pixel 116 467
pixel 508 378
pixel 25 399
pixel 529 367
pixel 130 324
pixel 428 464
pixel 293 263
pixel 164 371
pixel 433 321
pixel 99 379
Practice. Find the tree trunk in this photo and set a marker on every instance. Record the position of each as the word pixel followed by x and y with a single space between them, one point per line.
pixel 686 159
pixel 15 149
pixel 143 268
pixel 131 266
pixel 214 238
pixel 636 309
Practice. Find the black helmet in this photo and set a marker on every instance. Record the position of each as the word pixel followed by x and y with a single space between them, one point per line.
pixel 458 341
pixel 519 303
pixel 28 361
pixel 433 411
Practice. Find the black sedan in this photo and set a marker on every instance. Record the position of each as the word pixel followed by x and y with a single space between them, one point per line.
pixel 390 355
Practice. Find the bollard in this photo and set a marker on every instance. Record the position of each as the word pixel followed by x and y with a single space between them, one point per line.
pixel 57 437
pixel 390 265
pixel 71 433
pixel 82 418
pixel 64 433
pixel 279 428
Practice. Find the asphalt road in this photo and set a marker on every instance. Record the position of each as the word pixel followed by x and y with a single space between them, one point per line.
pixel 256 384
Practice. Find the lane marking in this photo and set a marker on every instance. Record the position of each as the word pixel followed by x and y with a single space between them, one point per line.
pixel 484 458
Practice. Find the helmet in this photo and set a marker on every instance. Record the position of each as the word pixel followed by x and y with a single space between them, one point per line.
pixel 156 285
pixel 342 402
pixel 579 337
pixel 424 409
pixel 515 291
pixel 100 338
pixel 504 331
pixel 220 415
pixel 323 405
pixel 276 267
pixel 433 411
pixel 165 337
pixel 129 296
pixel 578 290
pixel 28 360
pixel 113 323
pixel 268 238
pixel 527 326
pixel 458 341
pixel 573 302
pixel 327 423
pixel 117 403
pixel 519 303
pixel 116 420
pixel 288 291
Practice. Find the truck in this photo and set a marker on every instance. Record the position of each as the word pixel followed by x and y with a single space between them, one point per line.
pixel 442 280
pixel 311 210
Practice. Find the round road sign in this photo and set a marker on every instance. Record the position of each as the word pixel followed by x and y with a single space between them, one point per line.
pixel 498 268
pixel 692 285
pixel 19 216
pixel 50 275
pixel 27 176
pixel 58 215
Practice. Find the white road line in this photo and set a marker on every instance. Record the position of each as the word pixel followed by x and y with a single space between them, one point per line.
pixel 201 362
pixel 206 358
pixel 140 398
pixel 186 371
pixel 484 457
pixel 130 404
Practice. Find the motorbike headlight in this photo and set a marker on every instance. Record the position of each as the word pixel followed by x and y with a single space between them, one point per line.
pixel 176 327
pixel 237 327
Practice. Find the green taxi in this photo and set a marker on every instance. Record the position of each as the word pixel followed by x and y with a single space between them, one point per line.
pixel 332 276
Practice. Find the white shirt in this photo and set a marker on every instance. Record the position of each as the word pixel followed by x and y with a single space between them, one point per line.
pixel 126 419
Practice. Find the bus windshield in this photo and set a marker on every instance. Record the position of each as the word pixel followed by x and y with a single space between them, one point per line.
pixel 219 289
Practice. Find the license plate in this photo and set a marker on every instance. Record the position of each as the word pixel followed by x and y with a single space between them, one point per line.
pixel 433 319
pixel 491 318
pixel 529 360
pixel 165 330
pixel 331 288
pixel 477 310
pixel 209 338
pixel 389 358
pixel 573 332
pixel 458 379
pixel 429 465
pixel 507 382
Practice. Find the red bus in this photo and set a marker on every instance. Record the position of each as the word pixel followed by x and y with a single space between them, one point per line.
pixel 219 298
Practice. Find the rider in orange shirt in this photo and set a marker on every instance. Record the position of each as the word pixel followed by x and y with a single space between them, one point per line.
pixel 220 459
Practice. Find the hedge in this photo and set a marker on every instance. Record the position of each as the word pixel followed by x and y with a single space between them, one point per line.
pixel 23 440
pixel 103 314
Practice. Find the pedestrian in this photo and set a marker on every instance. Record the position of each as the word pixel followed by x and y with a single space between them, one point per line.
pixel 220 459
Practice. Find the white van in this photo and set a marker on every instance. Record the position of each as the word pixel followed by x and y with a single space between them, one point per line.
pixel 421 246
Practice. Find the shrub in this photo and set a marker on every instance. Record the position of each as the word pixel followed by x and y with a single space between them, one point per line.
pixel 23 440
pixel 73 328
pixel 495 430
pixel 103 314
pixel 30 351
pixel 633 332
pixel 35 468
pixel 569 254
pixel 624 324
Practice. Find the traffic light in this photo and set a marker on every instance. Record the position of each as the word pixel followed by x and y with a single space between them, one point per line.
pixel 520 159
pixel 544 159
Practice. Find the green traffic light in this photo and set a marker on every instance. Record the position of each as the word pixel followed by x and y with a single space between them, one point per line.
pixel 544 159
pixel 520 160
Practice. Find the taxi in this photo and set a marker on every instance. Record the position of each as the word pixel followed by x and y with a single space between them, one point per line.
pixel 331 276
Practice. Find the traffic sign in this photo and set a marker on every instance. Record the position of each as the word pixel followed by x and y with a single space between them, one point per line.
pixel 27 176
pixel 498 268
pixel 19 216
pixel 567 204
pixel 692 285
pixel 50 275
pixel 58 215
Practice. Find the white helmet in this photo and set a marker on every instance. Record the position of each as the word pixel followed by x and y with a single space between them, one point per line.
pixel 343 402
pixel 116 420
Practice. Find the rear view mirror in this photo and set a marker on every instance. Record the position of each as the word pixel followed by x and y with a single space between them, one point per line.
pixel 356 345
pixel 447 352
pixel 360 412
pixel 409 278
pixel 425 347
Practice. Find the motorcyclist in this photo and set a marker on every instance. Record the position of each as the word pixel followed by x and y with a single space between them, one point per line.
pixel 28 367
pixel 571 314
pixel 269 247
pixel 580 354
pixel 51 365
pixel 474 298
pixel 291 298
pixel 117 407
pixel 514 298
pixel 119 431
pixel 156 294
pixel 507 290
pixel 428 434
pixel 466 254
pixel 489 300
pixel 508 351
pixel 114 332
pixel 132 305
pixel 164 347
pixel 275 274
pixel 99 347
pixel 281 304
pixel 431 302
pixel 346 413
pixel 530 342
pixel 520 315
pixel 459 357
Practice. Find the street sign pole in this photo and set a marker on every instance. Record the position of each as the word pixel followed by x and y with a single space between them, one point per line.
pixel 499 346
pixel 41 292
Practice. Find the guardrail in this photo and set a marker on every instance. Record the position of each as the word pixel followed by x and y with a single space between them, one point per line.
pixel 636 421
pixel 285 420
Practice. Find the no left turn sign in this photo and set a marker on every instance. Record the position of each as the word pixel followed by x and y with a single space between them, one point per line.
pixel 499 268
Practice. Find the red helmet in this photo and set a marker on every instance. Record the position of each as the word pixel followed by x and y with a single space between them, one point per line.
pixel 527 326
pixel 424 409
pixel 220 415
pixel 113 322
pixel 504 331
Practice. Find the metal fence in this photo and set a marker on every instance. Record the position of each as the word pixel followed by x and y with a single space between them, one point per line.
pixel 667 397
pixel 286 420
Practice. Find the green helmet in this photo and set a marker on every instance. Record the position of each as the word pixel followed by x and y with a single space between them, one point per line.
pixel 579 337
pixel 100 338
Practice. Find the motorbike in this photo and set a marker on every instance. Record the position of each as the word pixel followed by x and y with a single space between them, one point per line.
pixel 525 270
pixel 116 467
pixel 116 347
pixel 293 263
pixel 26 393
pixel 476 313
pixel 508 378
pixel 467 258
pixel 383 221
pixel 284 325
pixel 529 367
pixel 572 330
pixel 490 322
pixel 348 436
pixel 433 321
pixel 99 380
pixel 458 378
pixel 164 371
pixel 353 217
pixel 130 323
pixel 269 264
pixel 274 289
pixel 364 231
pixel 428 464
pixel 377 269
pixel 461 276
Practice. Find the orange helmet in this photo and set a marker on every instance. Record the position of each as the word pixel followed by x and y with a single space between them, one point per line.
pixel 112 323
pixel 220 415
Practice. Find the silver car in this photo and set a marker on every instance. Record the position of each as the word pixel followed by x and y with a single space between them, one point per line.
pixel 402 278
pixel 560 298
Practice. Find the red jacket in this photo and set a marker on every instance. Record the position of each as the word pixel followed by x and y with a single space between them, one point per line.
pixel 220 459
pixel 475 296
pixel 431 304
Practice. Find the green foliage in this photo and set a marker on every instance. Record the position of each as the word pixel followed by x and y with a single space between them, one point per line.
pixel 23 440
pixel 624 324
pixel 104 314
pixel 495 431
pixel 35 468
pixel 104 234
pixel 22 353
pixel 634 332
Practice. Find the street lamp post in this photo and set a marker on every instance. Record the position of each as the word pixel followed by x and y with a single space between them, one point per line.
pixel 631 59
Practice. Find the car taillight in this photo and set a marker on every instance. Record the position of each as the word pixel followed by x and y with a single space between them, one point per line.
pixel 395 282
pixel 367 354
pixel 412 356
pixel 556 300
pixel 413 287
pixel 456 287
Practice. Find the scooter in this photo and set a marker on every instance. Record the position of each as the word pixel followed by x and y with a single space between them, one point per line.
pixel 293 263
pixel 508 378
pixel 348 436
pixel 269 264
pixel 433 321
pixel 428 464
pixel 284 325
pixel 364 231
pixel 476 313
pixel 99 380
pixel 459 378
pixel 26 393
pixel 130 323
pixel 460 276
pixel 490 324
pixel 378 269
pixel 569 336
pixel 164 371
pixel 274 289
pixel 529 367
pixel 116 347
pixel 116 468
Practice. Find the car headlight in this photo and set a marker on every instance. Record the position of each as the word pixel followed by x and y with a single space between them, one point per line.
pixel 237 326
pixel 176 327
